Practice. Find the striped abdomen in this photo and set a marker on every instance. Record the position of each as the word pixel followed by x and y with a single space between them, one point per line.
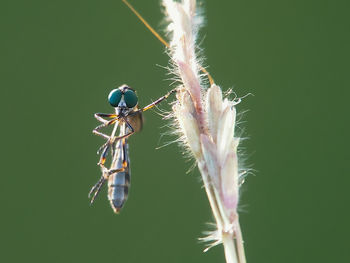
pixel 118 183
pixel 118 187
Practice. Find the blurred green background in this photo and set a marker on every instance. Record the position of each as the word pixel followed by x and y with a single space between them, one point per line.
pixel 60 59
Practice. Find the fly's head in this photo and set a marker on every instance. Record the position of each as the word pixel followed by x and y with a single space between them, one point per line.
pixel 123 99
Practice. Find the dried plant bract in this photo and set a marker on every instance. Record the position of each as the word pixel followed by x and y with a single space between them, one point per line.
pixel 206 122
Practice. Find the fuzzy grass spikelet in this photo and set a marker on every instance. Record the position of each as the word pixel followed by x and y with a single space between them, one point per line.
pixel 206 121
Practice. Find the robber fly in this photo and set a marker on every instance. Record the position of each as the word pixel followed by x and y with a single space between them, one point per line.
pixel 128 120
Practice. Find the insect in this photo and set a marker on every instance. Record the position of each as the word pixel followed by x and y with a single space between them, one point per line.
pixel 128 120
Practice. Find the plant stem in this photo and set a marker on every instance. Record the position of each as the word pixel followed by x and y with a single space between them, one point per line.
pixel 230 249
pixel 210 195
pixel 239 243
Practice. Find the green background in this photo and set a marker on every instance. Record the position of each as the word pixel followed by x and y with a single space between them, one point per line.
pixel 60 59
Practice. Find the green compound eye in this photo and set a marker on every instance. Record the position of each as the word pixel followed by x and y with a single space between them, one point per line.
pixel 114 97
pixel 130 98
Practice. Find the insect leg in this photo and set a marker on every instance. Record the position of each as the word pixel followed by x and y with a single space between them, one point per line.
pixel 105 124
pixel 96 189
pixel 150 106
pixel 102 160
pixel 124 138
pixel 100 116
pixel 105 147
pixel 113 171
pixel 116 139
pixel 125 159
pixel 132 131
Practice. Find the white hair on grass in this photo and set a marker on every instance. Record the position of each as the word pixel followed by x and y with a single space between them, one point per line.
pixel 206 123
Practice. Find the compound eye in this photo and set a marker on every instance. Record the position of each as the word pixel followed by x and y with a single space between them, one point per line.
pixel 130 98
pixel 114 97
